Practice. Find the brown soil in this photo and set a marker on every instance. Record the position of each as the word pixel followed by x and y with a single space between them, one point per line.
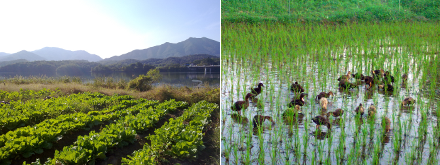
pixel 211 154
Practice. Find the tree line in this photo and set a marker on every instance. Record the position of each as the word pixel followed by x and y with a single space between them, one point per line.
pixel 78 67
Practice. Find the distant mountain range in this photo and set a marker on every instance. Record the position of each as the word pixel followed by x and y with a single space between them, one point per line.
pixel 3 54
pixel 29 56
pixel 184 48
pixel 58 54
pixel 50 54
pixel 191 46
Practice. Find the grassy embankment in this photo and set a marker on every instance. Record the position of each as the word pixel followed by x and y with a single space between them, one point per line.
pixel 329 11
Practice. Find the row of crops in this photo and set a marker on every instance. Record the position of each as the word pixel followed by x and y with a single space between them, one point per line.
pixel 33 126
pixel 175 138
pixel 18 113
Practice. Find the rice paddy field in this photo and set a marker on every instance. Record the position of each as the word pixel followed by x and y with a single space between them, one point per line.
pixel 315 56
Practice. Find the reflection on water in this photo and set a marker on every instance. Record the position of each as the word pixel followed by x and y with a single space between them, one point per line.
pixel 171 78
pixel 318 134
pixel 239 119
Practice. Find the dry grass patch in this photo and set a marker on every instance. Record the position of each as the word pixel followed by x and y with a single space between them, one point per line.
pixel 190 95
pixel 161 93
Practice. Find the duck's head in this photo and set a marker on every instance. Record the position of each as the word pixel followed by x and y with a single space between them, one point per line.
pixel 405 76
pixel 302 96
pixel 260 85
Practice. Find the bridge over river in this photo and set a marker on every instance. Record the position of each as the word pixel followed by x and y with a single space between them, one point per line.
pixel 208 68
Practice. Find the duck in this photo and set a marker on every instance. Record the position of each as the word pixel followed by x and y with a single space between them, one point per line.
pixel 369 80
pixel 377 73
pixel 346 85
pixel 299 101
pixel 323 102
pixel 241 105
pixel 404 78
pixel 371 110
pixel 321 120
pixel 295 87
pixel 387 78
pixel 345 77
pixel 257 91
pixel 259 119
pixel 408 101
pixel 338 112
pixel 359 109
pixel 386 124
pixel 358 76
pixel 386 87
pixel 323 94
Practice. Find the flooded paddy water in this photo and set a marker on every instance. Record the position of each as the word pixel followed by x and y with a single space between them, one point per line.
pixel 315 57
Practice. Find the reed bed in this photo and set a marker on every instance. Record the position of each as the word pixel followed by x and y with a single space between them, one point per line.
pixel 315 56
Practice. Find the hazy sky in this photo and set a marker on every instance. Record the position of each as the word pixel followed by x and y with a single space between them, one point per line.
pixel 104 27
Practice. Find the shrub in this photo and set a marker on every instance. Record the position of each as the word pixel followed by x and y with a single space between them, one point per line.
pixel 144 82
pixel 141 83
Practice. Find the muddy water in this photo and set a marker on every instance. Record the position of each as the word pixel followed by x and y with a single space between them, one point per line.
pixel 298 141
